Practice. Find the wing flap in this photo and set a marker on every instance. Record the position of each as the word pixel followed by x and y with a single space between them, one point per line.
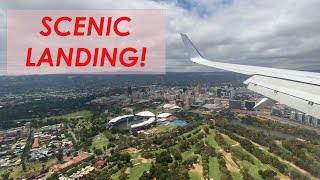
pixel 303 97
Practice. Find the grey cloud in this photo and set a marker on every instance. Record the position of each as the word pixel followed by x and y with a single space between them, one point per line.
pixel 270 33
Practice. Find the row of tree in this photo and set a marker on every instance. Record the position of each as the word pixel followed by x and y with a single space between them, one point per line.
pixel 231 129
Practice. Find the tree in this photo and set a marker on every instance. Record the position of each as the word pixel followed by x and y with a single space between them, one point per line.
pixel 245 174
pixel 6 175
pixel 267 174
pixel 68 153
pixel 24 168
pixel 184 145
pixel 54 176
pixel 111 145
pixel 98 151
pixel 164 158
pixel 295 175
pixel 147 155
pixel 75 154
pixel 176 154
pixel 126 157
pixel 59 155
pixel 144 176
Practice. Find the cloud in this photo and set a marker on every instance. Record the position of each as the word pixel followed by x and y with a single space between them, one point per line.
pixel 272 33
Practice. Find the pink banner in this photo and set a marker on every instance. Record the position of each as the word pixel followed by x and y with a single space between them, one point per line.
pixel 85 41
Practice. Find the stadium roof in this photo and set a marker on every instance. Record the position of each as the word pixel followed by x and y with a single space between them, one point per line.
pixel 164 115
pixel 145 114
pixel 144 123
pixel 170 106
pixel 119 118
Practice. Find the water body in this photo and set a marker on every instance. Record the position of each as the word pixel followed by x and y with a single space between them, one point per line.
pixel 271 133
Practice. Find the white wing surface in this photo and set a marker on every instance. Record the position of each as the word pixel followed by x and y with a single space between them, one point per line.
pixel 297 89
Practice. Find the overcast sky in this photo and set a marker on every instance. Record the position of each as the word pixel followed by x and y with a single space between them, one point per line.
pixel 271 33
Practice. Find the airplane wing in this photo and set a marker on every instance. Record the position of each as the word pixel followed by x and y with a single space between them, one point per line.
pixel 297 89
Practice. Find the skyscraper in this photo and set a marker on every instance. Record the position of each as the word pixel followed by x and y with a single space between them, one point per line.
pixel 129 91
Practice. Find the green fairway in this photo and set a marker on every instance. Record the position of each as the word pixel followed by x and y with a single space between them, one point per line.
pixel 265 150
pixel 253 169
pixel 211 140
pixel 258 165
pixel 228 140
pixel 116 175
pixel 135 161
pixel 195 175
pixel 214 171
pixel 136 171
pixel 189 153
pixel 134 155
pixel 236 176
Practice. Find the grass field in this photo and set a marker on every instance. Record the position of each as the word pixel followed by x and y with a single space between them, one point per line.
pixel 228 140
pixel 253 169
pixel 78 114
pixel 116 175
pixel 134 155
pixel 189 153
pixel 211 140
pixel 18 172
pixel 165 128
pixel 99 141
pixel 236 176
pixel 195 175
pixel 136 171
pixel 214 168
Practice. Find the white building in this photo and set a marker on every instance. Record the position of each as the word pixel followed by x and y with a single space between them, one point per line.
pixel 121 119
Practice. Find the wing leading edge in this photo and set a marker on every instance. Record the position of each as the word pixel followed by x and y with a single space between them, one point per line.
pixel 297 89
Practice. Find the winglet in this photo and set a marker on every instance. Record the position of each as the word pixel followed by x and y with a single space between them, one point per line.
pixel 194 54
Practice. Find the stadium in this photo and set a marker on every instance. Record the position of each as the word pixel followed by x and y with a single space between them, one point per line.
pixel 140 121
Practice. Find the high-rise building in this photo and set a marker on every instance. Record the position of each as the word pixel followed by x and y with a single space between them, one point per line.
pixel 293 115
pixel 186 102
pixel 308 119
pixel 219 92
pixel 300 117
pixel 229 93
pixel 235 104
pixel 249 105
pixel 129 91
pixel 276 111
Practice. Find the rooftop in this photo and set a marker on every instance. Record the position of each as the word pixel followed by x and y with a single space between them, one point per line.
pixel 35 143
pixel 164 115
pixel 74 160
pixel 145 114
pixel 147 122
pixel 120 117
